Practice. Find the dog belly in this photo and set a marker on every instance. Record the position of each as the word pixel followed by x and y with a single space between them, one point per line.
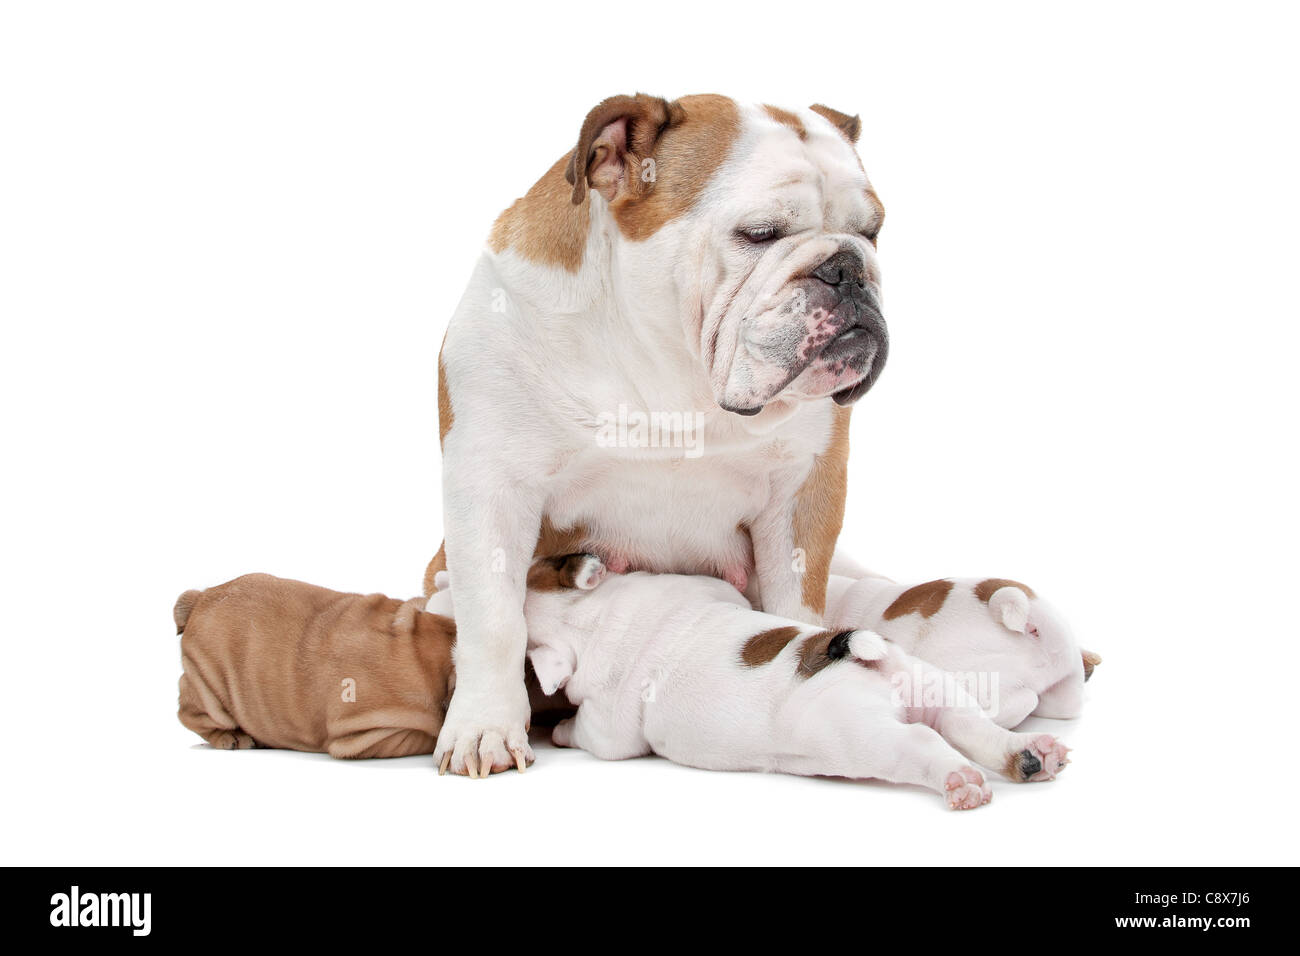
pixel 677 516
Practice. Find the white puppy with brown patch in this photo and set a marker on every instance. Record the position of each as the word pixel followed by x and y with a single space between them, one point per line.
pixel 984 627
pixel 705 272
pixel 682 666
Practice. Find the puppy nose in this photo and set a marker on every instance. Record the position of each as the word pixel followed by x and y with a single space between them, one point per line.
pixel 845 266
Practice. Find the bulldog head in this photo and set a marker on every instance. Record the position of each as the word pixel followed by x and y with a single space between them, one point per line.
pixel 759 224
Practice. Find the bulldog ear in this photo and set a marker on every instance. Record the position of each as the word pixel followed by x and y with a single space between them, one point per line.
pixel 850 126
pixel 617 136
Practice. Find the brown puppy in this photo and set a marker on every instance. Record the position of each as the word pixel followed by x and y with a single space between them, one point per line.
pixel 276 663
pixel 270 662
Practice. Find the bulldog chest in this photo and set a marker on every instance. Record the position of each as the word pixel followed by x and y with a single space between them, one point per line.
pixel 667 514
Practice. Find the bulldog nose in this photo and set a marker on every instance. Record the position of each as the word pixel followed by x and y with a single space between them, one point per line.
pixel 845 266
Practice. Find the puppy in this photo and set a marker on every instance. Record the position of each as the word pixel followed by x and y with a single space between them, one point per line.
pixel 976 626
pixel 682 666
pixel 275 663
pixel 270 662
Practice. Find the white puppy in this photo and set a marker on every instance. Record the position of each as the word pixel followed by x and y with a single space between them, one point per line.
pixel 1016 652
pixel 682 666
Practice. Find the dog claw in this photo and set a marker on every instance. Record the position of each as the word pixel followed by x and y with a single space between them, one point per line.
pixel 446 762
pixel 520 763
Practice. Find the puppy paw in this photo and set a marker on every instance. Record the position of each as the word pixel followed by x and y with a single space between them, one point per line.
pixel 966 789
pixel 589 572
pixel 1042 758
pixel 562 733
pixel 231 740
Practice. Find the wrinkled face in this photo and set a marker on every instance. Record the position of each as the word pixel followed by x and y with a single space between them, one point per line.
pixel 789 294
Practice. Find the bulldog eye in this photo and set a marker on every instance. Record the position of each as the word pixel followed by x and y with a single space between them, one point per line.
pixel 758 234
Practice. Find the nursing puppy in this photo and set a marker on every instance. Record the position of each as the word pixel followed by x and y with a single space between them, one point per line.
pixel 270 662
pixel 652 362
pixel 276 663
pixel 682 667
pixel 984 626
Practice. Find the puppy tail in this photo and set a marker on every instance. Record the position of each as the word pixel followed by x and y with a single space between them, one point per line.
pixel 1090 661
pixel 184 604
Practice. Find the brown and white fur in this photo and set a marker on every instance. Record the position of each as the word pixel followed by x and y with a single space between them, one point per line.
pixel 693 256
pixel 681 666
pixel 989 626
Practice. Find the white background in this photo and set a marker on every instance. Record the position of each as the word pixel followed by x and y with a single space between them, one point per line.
pixel 231 236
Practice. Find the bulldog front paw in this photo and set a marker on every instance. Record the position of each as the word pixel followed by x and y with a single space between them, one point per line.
pixel 1042 758
pixel 479 747
pixel 966 789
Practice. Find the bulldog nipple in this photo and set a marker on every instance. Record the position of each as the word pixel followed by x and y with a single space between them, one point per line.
pixel 737 577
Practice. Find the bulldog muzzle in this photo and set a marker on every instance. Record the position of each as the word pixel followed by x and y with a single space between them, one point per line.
pixel 860 342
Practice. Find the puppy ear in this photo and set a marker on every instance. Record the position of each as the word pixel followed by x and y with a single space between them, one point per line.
pixel 850 126
pixel 1090 660
pixel 617 136
pixel 1010 606
pixel 552 666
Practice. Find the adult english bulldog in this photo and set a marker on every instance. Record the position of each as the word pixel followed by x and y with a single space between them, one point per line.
pixel 653 362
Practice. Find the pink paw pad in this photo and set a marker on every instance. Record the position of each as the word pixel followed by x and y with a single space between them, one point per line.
pixel 617 564
pixel 967 789
pixel 1051 754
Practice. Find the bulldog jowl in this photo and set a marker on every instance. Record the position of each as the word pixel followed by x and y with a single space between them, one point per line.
pixel 823 335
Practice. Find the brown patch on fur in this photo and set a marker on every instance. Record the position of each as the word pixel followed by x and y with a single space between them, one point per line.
pixel 990 586
pixel 446 417
pixel 556 574
pixel 924 599
pixel 1015 769
pixel 786 118
pixel 849 126
pixel 812 653
pixel 819 510
pixel 687 156
pixel 436 564
pixel 687 139
pixel 762 648
pixel 543 225
pixel 1090 660
pixel 551 542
